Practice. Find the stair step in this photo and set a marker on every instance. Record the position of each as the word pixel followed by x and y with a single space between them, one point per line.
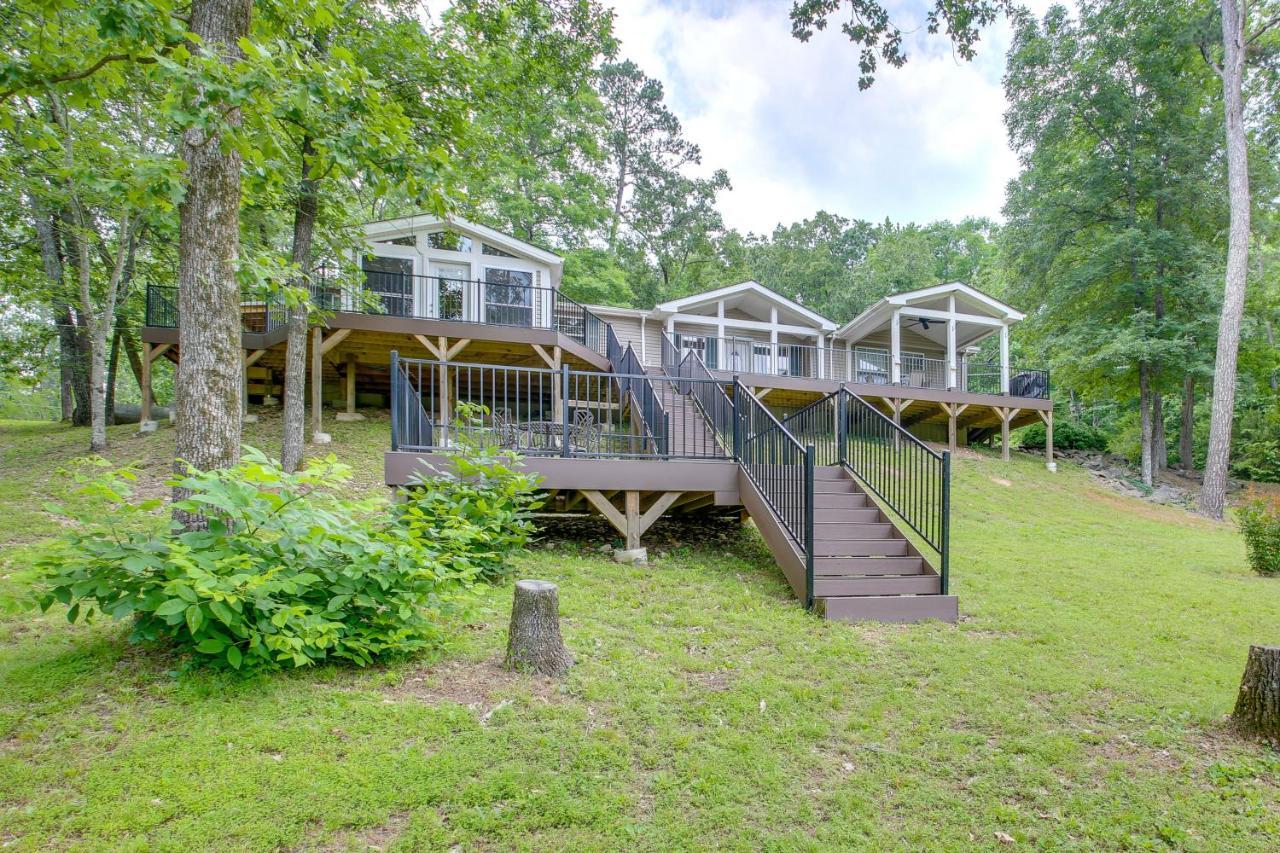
pixel 846 566
pixel 833 530
pixel 829 472
pixel 827 487
pixel 840 501
pixel 860 548
pixel 877 585
pixel 825 515
pixel 890 608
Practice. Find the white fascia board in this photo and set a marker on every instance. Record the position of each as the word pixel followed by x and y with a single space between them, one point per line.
pixel 675 306
pixel 1002 309
pixel 755 325
pixel 423 222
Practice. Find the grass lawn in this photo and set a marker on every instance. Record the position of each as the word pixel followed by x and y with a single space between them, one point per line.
pixel 1079 704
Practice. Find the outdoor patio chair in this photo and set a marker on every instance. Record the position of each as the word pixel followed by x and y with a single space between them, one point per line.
pixel 584 432
pixel 507 434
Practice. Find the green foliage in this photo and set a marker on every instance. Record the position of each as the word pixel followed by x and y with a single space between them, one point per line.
pixel 1260 526
pixel 1067 435
pixel 477 513
pixel 287 573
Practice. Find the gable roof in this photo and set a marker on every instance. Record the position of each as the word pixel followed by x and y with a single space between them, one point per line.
pixel 418 222
pixel 675 306
pixel 882 312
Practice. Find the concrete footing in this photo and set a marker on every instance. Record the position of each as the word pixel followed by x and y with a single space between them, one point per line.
pixel 1052 466
pixel 249 419
pixel 148 426
pixel 321 438
pixel 634 556
pixel 348 417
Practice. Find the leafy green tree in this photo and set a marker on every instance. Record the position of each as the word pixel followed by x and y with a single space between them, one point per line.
pixel 1111 221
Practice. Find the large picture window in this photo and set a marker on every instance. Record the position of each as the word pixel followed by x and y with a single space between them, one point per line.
pixel 391 281
pixel 508 297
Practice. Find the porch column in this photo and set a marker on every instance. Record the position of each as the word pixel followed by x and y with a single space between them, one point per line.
pixel 350 380
pixel 895 348
pixel 1004 359
pixel 822 373
pixel 1048 440
pixel 773 341
pixel 951 345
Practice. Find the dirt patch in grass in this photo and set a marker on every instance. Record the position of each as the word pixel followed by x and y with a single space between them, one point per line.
pixel 714 681
pixel 1154 512
pixel 478 685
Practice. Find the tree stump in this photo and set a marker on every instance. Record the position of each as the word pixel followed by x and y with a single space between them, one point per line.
pixel 1257 709
pixel 533 643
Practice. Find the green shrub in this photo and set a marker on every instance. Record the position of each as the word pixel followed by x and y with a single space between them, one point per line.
pixel 1067 435
pixel 287 573
pixel 1260 525
pixel 477 513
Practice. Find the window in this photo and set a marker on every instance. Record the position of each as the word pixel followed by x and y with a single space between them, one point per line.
pixel 391 281
pixel 400 241
pixel 486 249
pixel 761 361
pixel 508 297
pixel 450 241
pixel 705 347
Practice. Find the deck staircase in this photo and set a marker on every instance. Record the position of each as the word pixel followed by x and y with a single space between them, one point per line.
pixel 842 553
pixel 863 566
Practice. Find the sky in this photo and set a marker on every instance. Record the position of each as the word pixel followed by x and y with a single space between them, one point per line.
pixel 787 121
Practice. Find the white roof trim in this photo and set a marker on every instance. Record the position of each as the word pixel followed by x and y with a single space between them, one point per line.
pixel 675 306
pixel 1002 310
pixel 426 222
pixel 620 312
pixel 881 312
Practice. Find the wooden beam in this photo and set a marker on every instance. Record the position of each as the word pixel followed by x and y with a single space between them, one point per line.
pixel 608 510
pixel 698 503
pixel 158 350
pixel 251 358
pixel 456 348
pixel 552 361
pixel 430 347
pixel 1047 417
pixel 333 340
pixel 572 501
pixel 654 512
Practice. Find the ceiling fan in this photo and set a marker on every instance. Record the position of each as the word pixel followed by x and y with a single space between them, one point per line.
pixel 923 323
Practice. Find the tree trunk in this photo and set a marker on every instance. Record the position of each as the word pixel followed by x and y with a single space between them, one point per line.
pixel 1144 408
pixel 1273 379
pixel 1159 441
pixel 295 363
pixel 72 367
pixel 534 643
pixel 1213 492
pixel 113 364
pixel 1186 433
pixel 1257 710
pixel 210 376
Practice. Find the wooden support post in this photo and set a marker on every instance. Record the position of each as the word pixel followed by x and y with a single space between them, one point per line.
pixel 442 344
pixel 656 509
pixel 1047 417
pixel 632 504
pixel 317 386
pixel 351 383
pixel 145 415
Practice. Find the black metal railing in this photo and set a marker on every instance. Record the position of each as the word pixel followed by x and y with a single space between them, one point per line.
pixel 911 479
pixel 631 379
pixel 541 412
pixel 709 395
pixel 162 306
pixel 670 355
pixel 781 468
pixel 411 426
pixel 983 377
pixel 417 297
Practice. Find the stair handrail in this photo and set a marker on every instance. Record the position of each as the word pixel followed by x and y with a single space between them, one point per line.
pixel 409 420
pixel 631 379
pixel 910 478
pixel 781 468
pixel 670 355
pixel 708 394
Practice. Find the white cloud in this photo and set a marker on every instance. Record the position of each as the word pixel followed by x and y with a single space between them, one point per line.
pixel 788 122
